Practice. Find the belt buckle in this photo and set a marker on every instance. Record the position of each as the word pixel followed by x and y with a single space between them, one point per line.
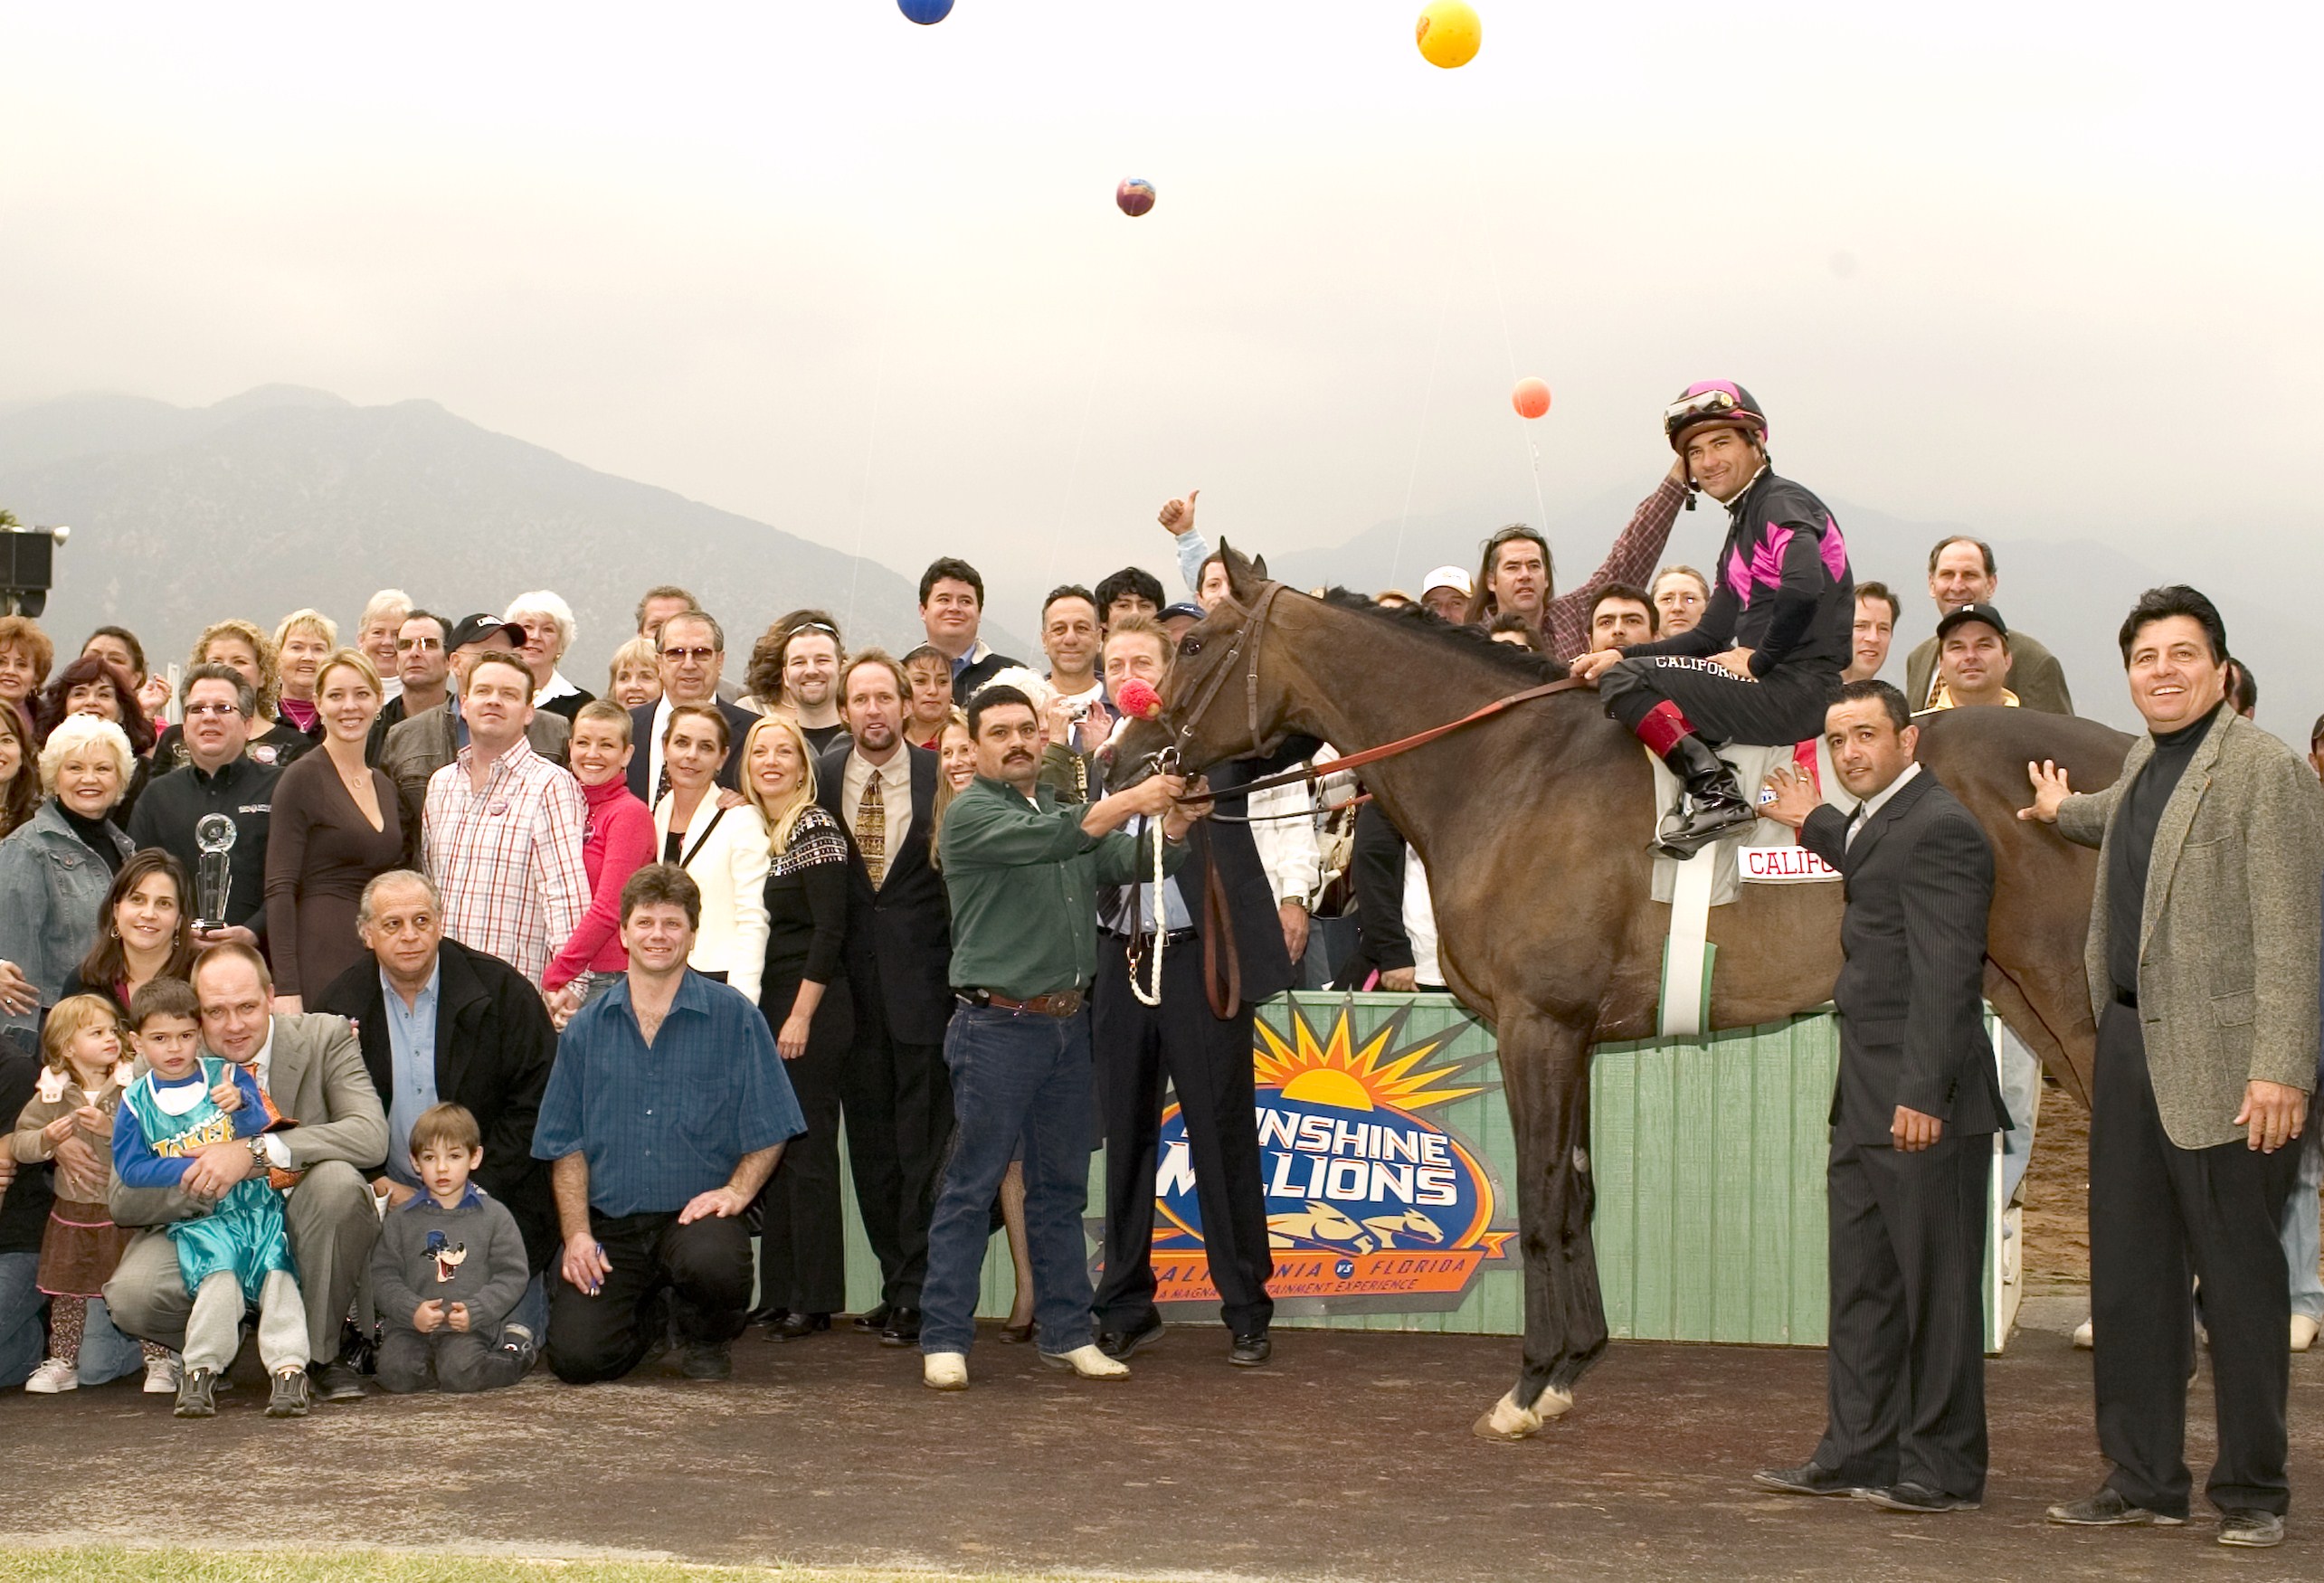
pixel 1064 1003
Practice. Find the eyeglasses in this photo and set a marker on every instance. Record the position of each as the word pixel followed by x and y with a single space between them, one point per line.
pixel 1701 400
pixel 680 656
pixel 196 711
pixel 816 627
pixel 401 644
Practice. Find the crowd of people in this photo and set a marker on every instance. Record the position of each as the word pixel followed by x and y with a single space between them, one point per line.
pixel 448 1016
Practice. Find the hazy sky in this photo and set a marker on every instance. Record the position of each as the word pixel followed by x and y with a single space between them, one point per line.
pixel 2037 268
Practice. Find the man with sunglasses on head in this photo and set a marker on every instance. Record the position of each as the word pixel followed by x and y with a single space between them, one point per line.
pixel 1766 659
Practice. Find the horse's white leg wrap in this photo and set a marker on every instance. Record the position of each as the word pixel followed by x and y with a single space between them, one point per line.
pixel 1508 1421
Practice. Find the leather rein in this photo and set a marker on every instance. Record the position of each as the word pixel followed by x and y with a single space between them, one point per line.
pixel 1218 933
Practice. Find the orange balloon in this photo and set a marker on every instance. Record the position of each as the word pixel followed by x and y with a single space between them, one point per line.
pixel 1531 398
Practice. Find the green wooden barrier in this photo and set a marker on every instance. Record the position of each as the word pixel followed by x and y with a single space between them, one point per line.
pixel 1708 1158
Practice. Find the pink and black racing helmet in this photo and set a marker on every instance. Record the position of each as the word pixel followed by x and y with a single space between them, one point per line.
pixel 1712 400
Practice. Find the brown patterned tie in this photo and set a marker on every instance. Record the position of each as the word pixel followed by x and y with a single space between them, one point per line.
pixel 871 830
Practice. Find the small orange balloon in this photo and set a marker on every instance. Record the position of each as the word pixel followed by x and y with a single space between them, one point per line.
pixel 1531 398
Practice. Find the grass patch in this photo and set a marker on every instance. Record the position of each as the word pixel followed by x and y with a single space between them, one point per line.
pixel 127 1564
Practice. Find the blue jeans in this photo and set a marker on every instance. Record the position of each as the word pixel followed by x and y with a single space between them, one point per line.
pixel 105 1353
pixel 2300 1229
pixel 1014 1076
pixel 2021 1091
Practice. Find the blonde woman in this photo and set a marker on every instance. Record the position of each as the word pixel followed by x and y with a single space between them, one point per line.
pixel 634 679
pixel 302 642
pixel 335 825
pixel 804 991
pixel 723 847
pixel 55 872
pixel 242 648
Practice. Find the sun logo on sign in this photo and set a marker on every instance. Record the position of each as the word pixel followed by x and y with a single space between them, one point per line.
pixel 1369 1195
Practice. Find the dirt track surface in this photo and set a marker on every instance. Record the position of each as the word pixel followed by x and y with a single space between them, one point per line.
pixel 1350 1457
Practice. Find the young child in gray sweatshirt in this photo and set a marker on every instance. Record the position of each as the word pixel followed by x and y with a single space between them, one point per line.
pixel 448 1270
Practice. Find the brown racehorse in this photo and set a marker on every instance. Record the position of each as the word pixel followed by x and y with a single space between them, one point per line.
pixel 1534 825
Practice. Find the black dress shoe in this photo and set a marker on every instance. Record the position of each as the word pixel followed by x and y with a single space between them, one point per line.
pixel 2245 1528
pixel 902 1328
pixel 872 1319
pixel 798 1327
pixel 1251 1350
pixel 335 1382
pixel 1919 1498
pixel 769 1314
pixel 1118 1344
pixel 1017 1335
pixel 2109 1508
pixel 1809 1478
pixel 707 1360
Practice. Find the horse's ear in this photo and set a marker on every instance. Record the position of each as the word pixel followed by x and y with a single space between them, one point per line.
pixel 1244 576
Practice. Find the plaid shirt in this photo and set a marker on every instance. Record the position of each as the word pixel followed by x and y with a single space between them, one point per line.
pixel 507 858
pixel 1632 560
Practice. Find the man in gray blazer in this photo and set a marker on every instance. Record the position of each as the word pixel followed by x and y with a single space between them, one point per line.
pixel 2204 936
pixel 312 1072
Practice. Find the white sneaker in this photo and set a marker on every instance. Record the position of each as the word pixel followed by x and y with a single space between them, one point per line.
pixel 2083 1337
pixel 161 1376
pixel 2303 1332
pixel 944 1371
pixel 53 1376
pixel 1089 1362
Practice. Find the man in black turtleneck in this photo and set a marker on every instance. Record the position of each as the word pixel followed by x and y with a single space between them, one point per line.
pixel 2202 947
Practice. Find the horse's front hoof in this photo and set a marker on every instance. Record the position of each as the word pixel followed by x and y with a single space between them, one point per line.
pixel 1508 1421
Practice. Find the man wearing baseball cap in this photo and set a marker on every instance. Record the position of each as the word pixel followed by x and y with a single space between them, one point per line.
pixel 428 741
pixel 1973 659
pixel 1446 593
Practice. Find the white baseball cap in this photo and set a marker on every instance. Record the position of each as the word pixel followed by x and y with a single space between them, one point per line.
pixel 1448 577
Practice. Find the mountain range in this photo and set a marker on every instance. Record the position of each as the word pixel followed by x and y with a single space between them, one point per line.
pixel 284 497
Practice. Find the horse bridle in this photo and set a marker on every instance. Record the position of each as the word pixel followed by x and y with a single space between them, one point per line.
pixel 1246 636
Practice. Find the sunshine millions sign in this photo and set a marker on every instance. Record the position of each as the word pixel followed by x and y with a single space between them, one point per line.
pixel 1368 1199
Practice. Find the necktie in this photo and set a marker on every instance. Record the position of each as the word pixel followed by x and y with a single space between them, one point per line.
pixel 871 830
pixel 1855 826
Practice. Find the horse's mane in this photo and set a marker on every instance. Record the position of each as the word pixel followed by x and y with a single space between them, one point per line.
pixel 1469 640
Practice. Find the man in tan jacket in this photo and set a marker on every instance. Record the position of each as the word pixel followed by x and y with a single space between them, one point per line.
pixel 2203 938
pixel 312 1073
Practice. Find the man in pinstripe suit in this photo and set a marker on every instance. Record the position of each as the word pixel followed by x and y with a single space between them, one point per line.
pixel 1913 1121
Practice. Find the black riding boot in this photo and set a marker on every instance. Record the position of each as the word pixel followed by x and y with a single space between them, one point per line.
pixel 1711 803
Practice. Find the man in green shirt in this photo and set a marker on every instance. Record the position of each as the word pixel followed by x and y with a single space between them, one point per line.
pixel 1023 870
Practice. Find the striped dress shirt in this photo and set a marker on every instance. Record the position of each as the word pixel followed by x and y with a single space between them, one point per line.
pixel 507 858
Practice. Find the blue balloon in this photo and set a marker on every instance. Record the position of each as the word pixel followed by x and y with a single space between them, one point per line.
pixel 926 13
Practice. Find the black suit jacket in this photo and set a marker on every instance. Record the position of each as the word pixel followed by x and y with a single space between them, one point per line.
pixel 1919 884
pixel 899 949
pixel 494 1046
pixel 739 722
pixel 972 676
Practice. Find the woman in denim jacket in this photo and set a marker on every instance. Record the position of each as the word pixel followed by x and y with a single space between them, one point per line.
pixel 54 870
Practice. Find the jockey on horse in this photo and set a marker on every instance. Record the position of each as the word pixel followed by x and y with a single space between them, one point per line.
pixel 1767 658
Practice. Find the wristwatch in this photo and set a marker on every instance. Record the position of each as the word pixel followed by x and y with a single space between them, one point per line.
pixel 256 1144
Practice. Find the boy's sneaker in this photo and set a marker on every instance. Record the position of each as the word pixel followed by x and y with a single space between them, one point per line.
pixel 53 1375
pixel 161 1375
pixel 516 1343
pixel 290 1397
pixel 195 1395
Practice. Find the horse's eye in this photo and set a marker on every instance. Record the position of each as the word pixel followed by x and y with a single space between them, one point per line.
pixel 1189 646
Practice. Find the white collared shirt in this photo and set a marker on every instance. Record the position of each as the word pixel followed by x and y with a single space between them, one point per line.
pixel 894 796
pixel 1871 806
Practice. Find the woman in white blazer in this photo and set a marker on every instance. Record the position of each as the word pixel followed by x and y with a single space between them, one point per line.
pixel 724 850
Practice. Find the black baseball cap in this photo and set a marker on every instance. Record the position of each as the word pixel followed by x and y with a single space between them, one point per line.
pixel 477 628
pixel 1972 612
pixel 1183 608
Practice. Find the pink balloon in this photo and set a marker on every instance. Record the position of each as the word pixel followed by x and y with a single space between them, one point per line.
pixel 1531 398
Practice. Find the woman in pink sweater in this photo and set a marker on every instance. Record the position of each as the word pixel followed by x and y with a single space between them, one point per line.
pixel 618 840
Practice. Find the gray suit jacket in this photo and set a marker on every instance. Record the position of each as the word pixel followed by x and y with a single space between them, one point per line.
pixel 316 1077
pixel 2034 676
pixel 2228 942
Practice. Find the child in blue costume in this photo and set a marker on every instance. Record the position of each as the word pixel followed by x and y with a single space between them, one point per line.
pixel 184 1103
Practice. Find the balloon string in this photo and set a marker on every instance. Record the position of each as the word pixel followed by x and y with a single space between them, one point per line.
pixel 1420 440
pixel 863 497
pixel 1509 346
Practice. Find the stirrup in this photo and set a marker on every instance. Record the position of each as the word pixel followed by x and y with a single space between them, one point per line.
pixel 1689 839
